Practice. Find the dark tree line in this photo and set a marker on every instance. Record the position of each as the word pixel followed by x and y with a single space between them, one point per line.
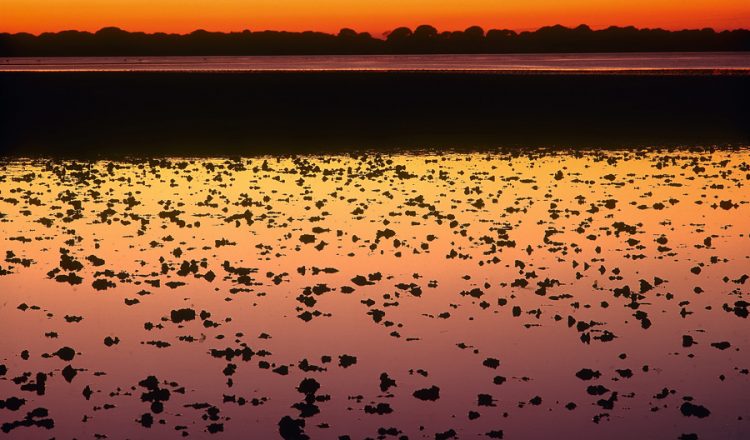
pixel 112 41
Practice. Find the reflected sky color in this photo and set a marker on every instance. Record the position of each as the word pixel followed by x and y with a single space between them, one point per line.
pixel 428 267
pixel 737 62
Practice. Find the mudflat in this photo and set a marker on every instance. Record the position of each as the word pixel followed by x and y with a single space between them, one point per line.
pixel 224 113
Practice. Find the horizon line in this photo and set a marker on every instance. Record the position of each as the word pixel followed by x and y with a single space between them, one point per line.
pixel 385 33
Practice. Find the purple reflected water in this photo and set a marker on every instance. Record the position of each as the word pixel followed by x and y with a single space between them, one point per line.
pixel 590 62
pixel 534 295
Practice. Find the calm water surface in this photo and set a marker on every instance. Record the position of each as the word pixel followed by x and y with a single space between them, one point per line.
pixel 512 62
pixel 536 294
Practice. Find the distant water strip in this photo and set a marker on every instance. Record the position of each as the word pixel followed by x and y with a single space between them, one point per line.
pixel 596 63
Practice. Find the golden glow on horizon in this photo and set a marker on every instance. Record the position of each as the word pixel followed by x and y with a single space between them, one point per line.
pixel 184 16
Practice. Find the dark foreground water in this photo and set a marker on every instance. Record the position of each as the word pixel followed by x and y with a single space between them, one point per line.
pixel 511 295
pixel 586 62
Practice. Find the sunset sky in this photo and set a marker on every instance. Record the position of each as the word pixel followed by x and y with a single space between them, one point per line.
pixel 375 16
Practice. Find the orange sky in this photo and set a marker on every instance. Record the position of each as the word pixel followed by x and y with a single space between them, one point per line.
pixel 375 16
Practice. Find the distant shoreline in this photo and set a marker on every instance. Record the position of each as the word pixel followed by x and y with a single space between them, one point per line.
pixel 115 114
pixel 637 63
pixel 424 39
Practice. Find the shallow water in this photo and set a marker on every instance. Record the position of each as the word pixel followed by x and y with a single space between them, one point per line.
pixel 567 62
pixel 541 293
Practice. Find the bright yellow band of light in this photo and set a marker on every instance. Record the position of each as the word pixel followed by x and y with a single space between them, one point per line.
pixel 375 16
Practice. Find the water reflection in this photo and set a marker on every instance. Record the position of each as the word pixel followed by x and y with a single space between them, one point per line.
pixel 425 295
pixel 566 62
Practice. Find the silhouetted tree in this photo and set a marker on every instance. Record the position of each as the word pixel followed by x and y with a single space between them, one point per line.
pixel 425 39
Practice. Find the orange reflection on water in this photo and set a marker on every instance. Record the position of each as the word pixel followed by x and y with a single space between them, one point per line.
pixel 435 262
